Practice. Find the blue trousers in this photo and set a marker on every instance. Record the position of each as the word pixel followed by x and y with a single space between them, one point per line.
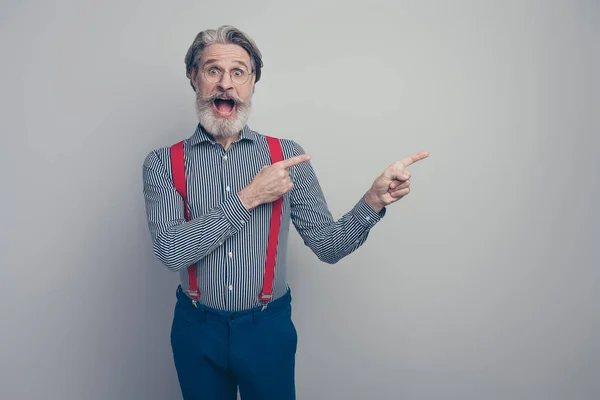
pixel 216 352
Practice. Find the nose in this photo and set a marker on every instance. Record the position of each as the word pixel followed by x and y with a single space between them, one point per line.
pixel 225 83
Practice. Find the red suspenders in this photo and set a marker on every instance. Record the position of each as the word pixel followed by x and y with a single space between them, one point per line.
pixel 267 289
pixel 178 172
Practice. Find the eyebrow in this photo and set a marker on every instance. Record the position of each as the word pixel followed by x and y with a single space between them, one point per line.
pixel 214 60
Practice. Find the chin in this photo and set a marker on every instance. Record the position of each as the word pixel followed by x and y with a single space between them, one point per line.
pixel 223 127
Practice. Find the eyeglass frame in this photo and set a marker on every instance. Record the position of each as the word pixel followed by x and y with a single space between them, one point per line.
pixel 222 74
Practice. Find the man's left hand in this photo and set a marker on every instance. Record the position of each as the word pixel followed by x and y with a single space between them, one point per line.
pixel 393 184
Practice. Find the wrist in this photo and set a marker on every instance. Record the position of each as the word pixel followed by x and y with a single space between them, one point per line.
pixel 248 199
pixel 374 202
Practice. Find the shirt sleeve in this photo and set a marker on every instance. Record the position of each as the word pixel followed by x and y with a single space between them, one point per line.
pixel 178 243
pixel 330 240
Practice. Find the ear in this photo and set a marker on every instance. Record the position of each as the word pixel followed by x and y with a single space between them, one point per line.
pixel 194 77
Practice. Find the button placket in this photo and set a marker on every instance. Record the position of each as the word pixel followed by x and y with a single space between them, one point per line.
pixel 225 173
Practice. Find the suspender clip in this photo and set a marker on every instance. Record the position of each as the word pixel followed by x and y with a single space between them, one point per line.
pixel 194 294
pixel 264 299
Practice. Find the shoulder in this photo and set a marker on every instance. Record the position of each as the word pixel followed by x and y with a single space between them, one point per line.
pixel 157 156
pixel 157 161
pixel 290 147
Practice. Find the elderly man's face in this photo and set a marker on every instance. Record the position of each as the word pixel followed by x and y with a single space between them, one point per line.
pixel 222 102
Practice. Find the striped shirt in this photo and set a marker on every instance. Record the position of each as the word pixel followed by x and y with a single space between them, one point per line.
pixel 225 241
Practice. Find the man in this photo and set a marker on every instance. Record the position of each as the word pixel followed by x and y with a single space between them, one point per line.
pixel 232 325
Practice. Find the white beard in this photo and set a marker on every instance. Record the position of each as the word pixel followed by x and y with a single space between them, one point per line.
pixel 222 127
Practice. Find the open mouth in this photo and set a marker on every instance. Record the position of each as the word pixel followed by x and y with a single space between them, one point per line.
pixel 224 107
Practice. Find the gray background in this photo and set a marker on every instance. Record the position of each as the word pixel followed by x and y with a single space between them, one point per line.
pixel 483 283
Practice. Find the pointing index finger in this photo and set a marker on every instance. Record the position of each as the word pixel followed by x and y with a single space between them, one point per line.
pixel 290 162
pixel 414 158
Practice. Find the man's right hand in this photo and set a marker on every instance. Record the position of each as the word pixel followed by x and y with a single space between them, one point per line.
pixel 271 182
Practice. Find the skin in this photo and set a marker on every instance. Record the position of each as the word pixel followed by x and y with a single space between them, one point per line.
pixel 273 181
pixel 393 184
pixel 226 57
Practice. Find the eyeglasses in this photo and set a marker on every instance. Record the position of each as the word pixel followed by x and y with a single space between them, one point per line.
pixel 238 76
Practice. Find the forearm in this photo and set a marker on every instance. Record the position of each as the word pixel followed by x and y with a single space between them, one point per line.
pixel 333 240
pixel 179 244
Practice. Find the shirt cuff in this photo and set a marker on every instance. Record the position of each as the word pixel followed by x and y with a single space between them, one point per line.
pixel 365 215
pixel 235 212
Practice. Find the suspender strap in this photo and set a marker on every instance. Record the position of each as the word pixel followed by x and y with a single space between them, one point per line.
pixel 178 172
pixel 267 289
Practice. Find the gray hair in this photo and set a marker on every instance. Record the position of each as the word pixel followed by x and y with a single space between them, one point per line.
pixel 225 34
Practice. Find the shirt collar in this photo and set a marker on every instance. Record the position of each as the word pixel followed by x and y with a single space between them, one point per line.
pixel 200 135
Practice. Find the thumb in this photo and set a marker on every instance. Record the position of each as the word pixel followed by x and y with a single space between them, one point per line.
pixel 395 183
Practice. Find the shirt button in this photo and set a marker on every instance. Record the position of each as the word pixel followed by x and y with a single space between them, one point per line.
pixel 242 222
pixel 225 158
pixel 368 218
pixel 230 288
pixel 230 255
pixel 228 188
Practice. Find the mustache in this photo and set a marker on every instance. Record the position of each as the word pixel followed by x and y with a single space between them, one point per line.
pixel 221 95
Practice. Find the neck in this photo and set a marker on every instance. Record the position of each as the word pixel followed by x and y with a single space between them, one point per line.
pixel 226 142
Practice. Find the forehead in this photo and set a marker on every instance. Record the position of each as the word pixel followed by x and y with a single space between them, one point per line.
pixel 225 54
